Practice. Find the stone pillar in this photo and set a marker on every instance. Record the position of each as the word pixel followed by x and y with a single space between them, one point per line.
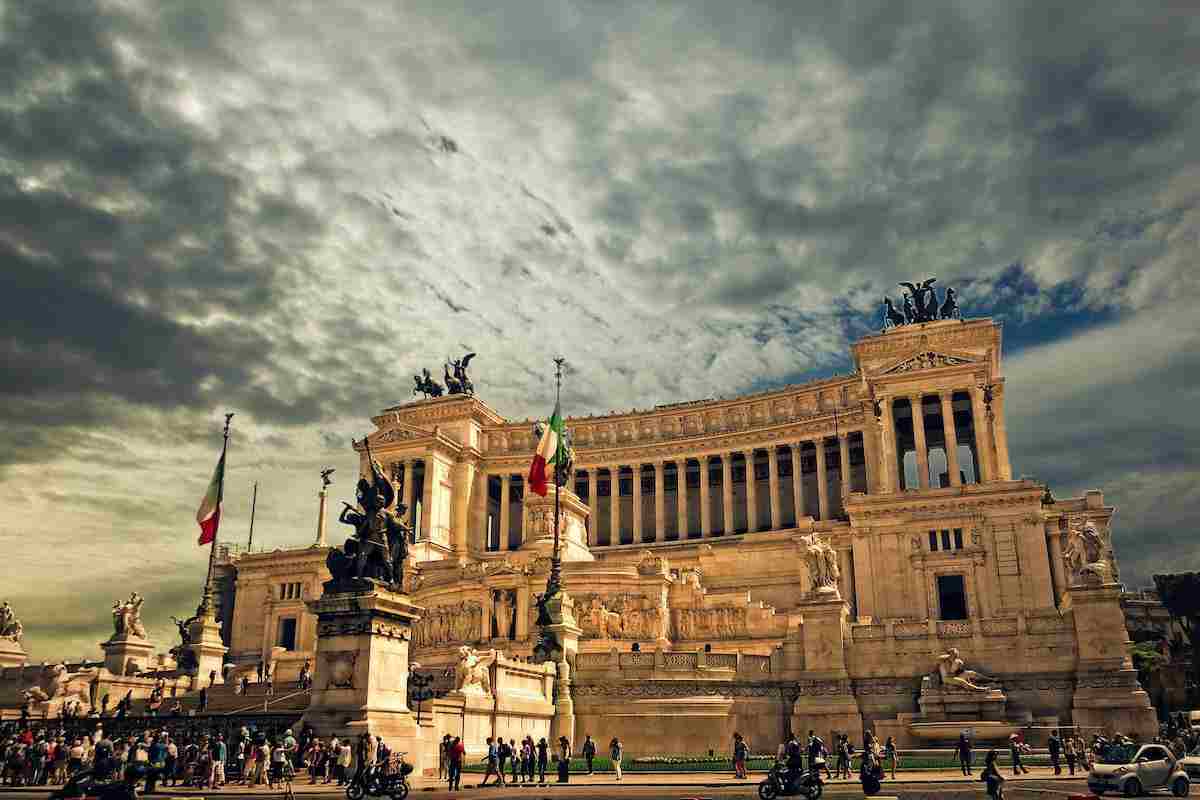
pixel 822 480
pixel 208 650
pixel 408 493
pixel 521 633
pixel 870 437
pixel 1107 693
pixel 1000 432
pixel 360 677
pixel 637 503
pixel 1054 544
pixel 321 517
pixel 660 504
pixel 918 418
pixel 826 702
pixel 12 654
pixel 594 506
pixel 480 504
pixel 773 485
pixel 889 482
pixel 951 438
pixel 751 493
pixel 427 498
pixel 844 460
pixel 460 508
pixel 502 542
pixel 681 511
pixel 797 480
pixel 128 655
pixel 705 499
pixel 614 504
pixel 727 492
pixel 983 448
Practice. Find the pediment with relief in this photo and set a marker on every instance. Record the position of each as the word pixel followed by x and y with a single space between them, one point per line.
pixel 926 360
pixel 398 433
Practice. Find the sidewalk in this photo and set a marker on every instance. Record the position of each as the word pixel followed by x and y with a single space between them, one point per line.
pixel 679 779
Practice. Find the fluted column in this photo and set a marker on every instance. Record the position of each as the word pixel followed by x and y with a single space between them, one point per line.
pixel 918 419
pixel 594 506
pixel 797 480
pixel 681 514
pixel 727 492
pixel 822 481
pixel 637 503
pixel 660 504
pixel 408 493
pixel 983 450
pixel 479 502
pixel 505 502
pixel 614 497
pixel 751 493
pixel 870 441
pixel 890 481
pixel 844 460
pixel 951 436
pixel 427 499
pixel 773 484
pixel 1000 433
pixel 705 499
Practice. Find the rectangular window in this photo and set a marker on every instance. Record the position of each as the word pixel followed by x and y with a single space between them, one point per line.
pixel 933 541
pixel 958 539
pixel 287 633
pixel 952 597
pixel 946 540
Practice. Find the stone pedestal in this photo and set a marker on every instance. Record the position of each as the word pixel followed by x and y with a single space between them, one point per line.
pixel 12 654
pixel 1106 689
pixel 360 676
pixel 940 704
pixel 826 702
pixel 538 535
pixel 207 648
pixel 127 655
pixel 561 610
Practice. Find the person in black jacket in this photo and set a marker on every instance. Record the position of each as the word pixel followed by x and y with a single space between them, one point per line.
pixel 1055 746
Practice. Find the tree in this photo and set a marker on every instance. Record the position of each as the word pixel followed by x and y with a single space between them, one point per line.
pixel 1180 593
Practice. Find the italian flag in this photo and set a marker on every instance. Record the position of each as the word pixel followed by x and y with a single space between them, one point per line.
pixel 549 451
pixel 209 515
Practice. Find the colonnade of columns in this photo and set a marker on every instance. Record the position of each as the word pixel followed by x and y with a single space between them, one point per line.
pixel 981 423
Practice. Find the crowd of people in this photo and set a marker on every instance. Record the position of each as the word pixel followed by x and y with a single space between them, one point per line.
pixel 183 756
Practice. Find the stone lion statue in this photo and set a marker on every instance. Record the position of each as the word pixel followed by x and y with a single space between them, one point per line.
pixel 471 675
pixel 1084 555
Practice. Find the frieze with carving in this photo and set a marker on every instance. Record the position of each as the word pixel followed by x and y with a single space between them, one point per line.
pixel 622 616
pixel 927 360
pixel 450 624
pixel 723 622
pixel 643 688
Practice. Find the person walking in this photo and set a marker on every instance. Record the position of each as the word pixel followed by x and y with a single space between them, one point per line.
pixel 589 751
pixel 992 777
pixel 455 752
pixel 1069 752
pixel 564 759
pixel 891 754
pixel 526 751
pixel 220 752
pixel 492 758
pixel 843 756
pixel 965 759
pixel 739 756
pixel 1014 753
pixel 444 758
pixel 514 759
pixel 503 752
pixel 345 757
pixel 543 757
pixel 615 751
pixel 1054 744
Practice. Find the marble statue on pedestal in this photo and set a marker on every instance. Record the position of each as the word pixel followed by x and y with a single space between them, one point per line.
pixel 1084 555
pixel 471 674
pixel 10 627
pixel 954 673
pixel 820 560
pixel 504 608
pixel 127 618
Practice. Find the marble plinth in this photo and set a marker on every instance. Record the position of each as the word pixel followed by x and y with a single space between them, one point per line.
pixel 12 654
pixel 207 648
pixel 360 678
pixel 127 655
pixel 572 525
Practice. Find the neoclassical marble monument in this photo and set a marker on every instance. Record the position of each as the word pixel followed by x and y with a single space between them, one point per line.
pixel 807 557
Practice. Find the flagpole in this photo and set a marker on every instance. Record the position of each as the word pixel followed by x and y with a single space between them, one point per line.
pixel 555 579
pixel 253 506
pixel 206 603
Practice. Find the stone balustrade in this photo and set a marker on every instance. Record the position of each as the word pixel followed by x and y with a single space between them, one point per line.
pixel 696 664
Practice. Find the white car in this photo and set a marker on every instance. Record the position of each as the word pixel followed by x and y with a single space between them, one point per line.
pixel 1191 765
pixel 1135 769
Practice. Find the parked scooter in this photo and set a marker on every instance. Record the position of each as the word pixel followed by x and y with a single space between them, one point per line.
pixel 377 782
pixel 779 784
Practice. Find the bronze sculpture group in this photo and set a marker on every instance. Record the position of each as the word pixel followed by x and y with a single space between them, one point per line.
pixel 454 374
pixel 920 304
pixel 379 547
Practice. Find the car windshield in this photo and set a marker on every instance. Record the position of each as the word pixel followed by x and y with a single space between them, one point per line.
pixel 1118 754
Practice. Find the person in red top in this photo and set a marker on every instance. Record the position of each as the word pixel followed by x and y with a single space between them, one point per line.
pixel 456 751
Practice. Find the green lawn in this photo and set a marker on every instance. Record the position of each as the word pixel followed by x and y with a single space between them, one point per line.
pixel 683 763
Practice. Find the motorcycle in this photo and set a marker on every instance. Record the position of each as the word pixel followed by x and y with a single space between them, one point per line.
pixel 84 784
pixel 374 781
pixel 776 784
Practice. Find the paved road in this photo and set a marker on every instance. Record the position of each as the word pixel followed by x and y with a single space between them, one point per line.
pixel 957 790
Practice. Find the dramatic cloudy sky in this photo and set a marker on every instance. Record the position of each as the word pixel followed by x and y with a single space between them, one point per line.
pixel 285 209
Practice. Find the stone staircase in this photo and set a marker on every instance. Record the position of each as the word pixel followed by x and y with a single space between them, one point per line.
pixel 223 699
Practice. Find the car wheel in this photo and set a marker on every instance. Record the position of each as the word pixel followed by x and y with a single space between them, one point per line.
pixel 1179 787
pixel 1133 788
